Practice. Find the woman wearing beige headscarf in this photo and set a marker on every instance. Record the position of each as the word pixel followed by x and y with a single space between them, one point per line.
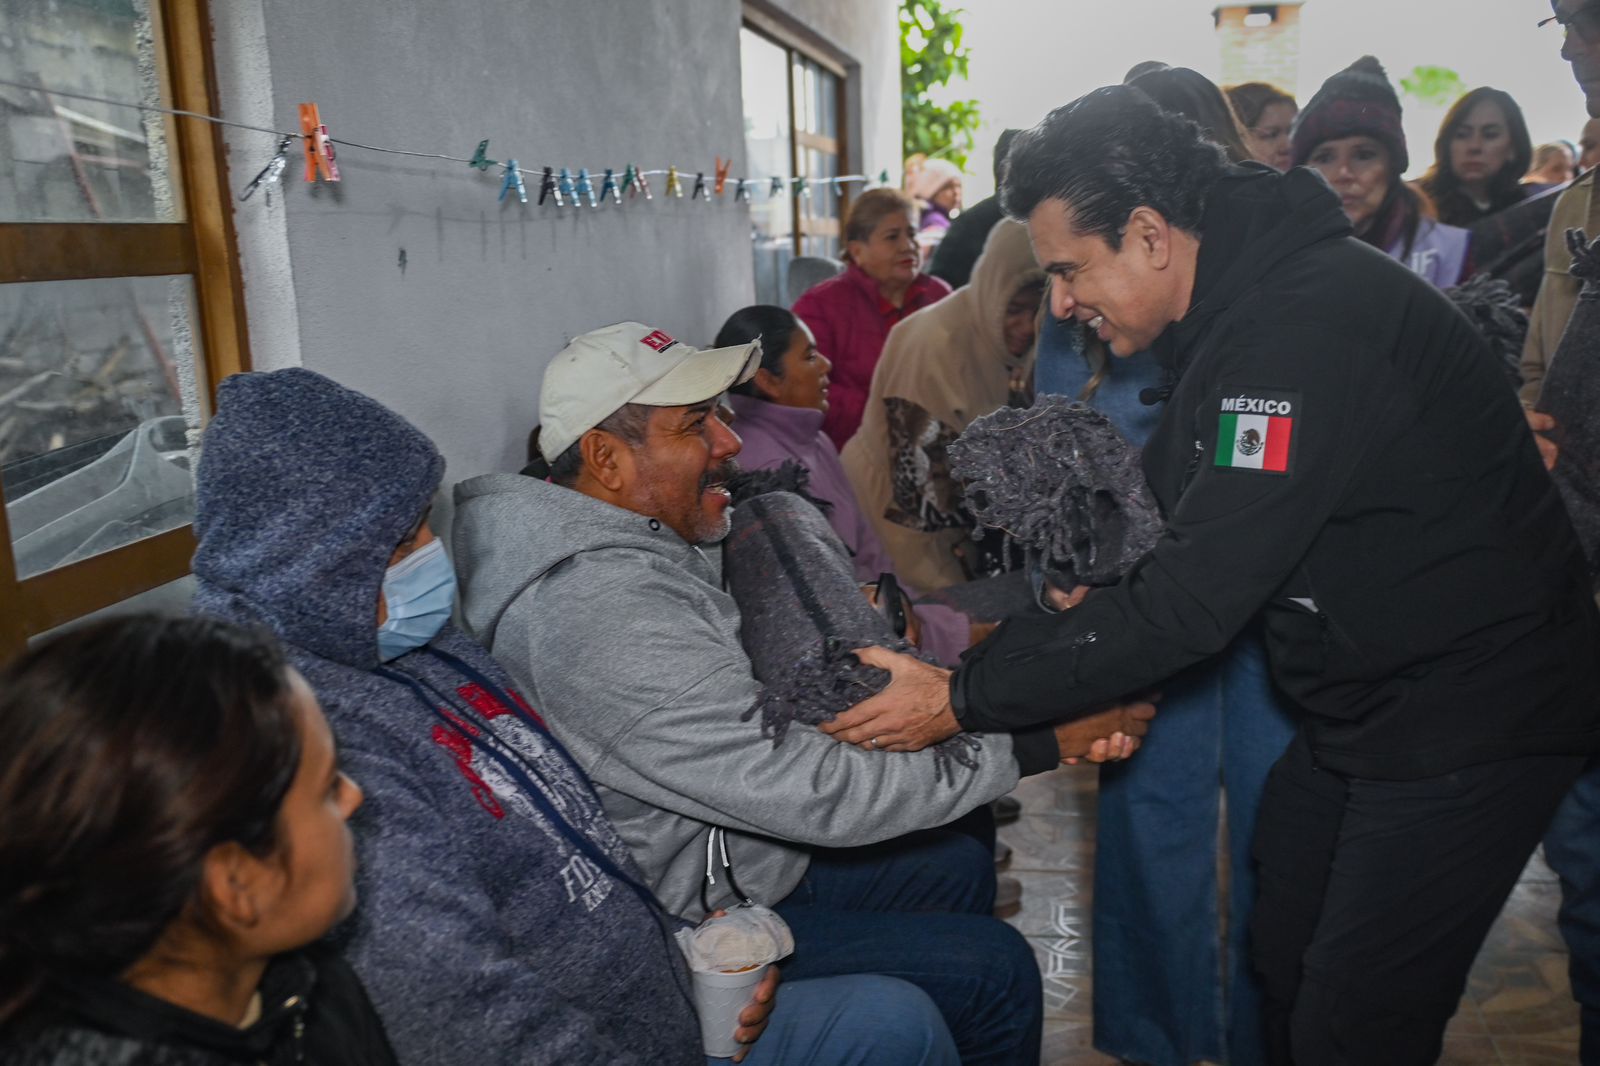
pixel 942 367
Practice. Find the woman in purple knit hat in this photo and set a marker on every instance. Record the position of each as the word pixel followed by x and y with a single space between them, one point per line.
pixel 1350 132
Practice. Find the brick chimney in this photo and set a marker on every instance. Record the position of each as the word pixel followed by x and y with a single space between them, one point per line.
pixel 1260 42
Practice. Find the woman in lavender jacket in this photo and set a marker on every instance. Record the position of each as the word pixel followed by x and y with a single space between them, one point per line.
pixel 779 418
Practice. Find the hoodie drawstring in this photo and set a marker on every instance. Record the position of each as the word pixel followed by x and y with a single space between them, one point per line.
pixel 718 838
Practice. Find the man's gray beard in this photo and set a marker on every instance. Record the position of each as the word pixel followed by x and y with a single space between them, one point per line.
pixel 724 526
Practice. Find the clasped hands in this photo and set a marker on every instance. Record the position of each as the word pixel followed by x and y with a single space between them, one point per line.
pixel 914 711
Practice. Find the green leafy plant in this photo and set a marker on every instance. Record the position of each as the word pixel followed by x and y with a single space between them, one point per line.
pixel 931 55
pixel 1436 86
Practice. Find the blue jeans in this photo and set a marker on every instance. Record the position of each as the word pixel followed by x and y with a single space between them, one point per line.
pixel 1167 989
pixel 861 1020
pixel 918 908
pixel 1572 847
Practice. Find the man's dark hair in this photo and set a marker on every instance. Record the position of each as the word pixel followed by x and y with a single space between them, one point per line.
pixel 1107 153
pixel 1141 68
pixel 631 422
pixel 1002 145
pixel 133 747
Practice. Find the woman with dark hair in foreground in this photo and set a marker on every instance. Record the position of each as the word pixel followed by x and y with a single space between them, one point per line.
pixel 174 837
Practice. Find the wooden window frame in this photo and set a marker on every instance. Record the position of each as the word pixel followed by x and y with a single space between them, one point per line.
pixel 204 247
pixel 793 37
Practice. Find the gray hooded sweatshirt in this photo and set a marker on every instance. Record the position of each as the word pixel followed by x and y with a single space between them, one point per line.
pixel 623 637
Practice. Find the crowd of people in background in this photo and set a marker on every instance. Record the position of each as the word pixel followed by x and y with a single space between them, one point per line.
pixel 378 803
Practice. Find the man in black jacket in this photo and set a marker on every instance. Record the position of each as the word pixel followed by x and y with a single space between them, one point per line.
pixel 1340 454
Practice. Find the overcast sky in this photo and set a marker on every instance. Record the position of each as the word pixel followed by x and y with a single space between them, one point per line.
pixel 1030 55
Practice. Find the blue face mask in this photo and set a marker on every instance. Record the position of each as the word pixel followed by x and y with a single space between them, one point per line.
pixel 420 591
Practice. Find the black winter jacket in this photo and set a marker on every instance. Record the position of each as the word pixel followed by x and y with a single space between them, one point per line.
pixel 314 1012
pixel 1422 589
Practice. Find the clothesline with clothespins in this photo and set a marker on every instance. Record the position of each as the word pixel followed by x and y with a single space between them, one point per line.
pixel 555 183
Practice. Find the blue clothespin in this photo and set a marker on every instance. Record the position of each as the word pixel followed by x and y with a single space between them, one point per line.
pixel 777 187
pixel 547 187
pixel 564 187
pixel 586 188
pixel 480 158
pixel 608 187
pixel 513 180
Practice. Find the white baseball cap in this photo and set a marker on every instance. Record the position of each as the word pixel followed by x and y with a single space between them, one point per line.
pixel 601 371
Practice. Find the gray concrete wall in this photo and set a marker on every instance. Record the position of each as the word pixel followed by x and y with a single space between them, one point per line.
pixel 457 340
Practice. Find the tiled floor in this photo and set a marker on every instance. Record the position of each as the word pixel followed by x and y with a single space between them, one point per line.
pixel 1517 1009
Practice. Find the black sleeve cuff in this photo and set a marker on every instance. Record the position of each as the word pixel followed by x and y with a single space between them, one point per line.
pixel 958 698
pixel 1036 750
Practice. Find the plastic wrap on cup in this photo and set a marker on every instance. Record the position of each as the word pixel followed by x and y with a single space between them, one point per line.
pixel 728 956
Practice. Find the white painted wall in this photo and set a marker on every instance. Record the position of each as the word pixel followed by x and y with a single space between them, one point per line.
pixel 457 341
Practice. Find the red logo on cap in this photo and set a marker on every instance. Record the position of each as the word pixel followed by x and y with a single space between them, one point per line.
pixel 658 340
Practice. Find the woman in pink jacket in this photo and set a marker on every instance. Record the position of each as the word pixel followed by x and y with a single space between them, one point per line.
pixel 851 315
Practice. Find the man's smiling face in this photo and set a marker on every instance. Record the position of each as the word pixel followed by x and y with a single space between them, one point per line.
pixel 1119 293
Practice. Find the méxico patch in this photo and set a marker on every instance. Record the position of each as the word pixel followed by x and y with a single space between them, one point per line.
pixel 1256 431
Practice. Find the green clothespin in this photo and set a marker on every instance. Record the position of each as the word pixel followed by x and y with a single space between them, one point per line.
pixel 480 158
pixel 883 177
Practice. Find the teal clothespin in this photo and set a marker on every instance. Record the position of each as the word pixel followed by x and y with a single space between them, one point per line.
pixel 513 180
pixel 564 187
pixel 480 158
pixel 776 188
pixel 802 187
pixel 585 188
pixel 608 187
pixel 883 177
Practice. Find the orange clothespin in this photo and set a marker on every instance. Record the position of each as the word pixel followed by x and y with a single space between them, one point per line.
pixel 722 175
pixel 318 146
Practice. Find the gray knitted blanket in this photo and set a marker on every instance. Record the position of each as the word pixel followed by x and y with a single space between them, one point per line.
pixel 1062 483
pixel 801 614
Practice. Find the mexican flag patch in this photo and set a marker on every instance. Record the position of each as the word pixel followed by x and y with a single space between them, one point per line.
pixel 1256 431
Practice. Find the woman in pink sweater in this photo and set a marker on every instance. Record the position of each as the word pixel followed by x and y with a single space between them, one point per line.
pixel 851 315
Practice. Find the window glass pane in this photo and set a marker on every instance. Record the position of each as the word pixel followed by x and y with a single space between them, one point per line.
pixel 802 96
pixel 98 397
pixel 827 103
pixel 68 160
pixel 824 201
pixel 764 68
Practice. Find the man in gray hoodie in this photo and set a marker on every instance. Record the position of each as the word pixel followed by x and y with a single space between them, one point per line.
pixel 596 591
